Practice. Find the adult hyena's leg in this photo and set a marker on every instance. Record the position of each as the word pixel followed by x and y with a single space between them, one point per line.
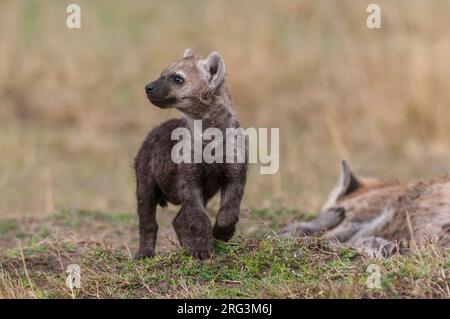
pixel 375 247
pixel 344 231
pixel 325 221
pixel 147 200
pixel 193 227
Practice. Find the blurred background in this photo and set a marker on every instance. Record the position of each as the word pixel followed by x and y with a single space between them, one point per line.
pixel 73 110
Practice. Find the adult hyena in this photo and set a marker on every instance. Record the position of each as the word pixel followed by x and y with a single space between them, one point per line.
pixel 196 87
pixel 381 217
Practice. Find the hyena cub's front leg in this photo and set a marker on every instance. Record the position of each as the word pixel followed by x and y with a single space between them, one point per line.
pixel 193 228
pixel 228 215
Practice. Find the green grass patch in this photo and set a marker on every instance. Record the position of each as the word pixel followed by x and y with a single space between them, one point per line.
pixel 260 267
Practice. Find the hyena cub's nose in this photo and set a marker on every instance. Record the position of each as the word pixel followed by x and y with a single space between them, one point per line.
pixel 149 88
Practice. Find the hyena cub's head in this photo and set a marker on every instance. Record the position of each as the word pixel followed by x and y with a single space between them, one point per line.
pixel 361 198
pixel 188 84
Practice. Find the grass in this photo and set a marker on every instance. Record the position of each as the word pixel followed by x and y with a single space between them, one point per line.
pixel 261 267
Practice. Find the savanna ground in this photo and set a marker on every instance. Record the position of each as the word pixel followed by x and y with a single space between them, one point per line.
pixel 73 113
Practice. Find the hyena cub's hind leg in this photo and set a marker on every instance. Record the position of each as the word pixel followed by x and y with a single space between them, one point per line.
pixel 148 197
pixel 326 220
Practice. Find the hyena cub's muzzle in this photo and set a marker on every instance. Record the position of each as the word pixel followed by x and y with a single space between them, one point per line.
pixel 158 92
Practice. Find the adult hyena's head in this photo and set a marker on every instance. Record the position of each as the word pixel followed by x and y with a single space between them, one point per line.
pixel 188 84
pixel 362 198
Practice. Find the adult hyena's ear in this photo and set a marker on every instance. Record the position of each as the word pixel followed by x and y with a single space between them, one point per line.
pixel 346 185
pixel 214 69
pixel 188 53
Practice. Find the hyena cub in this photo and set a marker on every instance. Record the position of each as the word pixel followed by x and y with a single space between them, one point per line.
pixel 381 217
pixel 196 87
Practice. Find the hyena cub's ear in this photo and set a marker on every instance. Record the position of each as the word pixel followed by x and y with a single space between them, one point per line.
pixel 188 53
pixel 347 184
pixel 214 69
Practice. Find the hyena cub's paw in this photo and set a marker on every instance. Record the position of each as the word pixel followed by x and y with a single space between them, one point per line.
pixel 225 226
pixel 144 253
pixel 223 233
pixel 200 248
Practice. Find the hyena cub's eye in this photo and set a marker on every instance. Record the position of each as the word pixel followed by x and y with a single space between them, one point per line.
pixel 178 79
